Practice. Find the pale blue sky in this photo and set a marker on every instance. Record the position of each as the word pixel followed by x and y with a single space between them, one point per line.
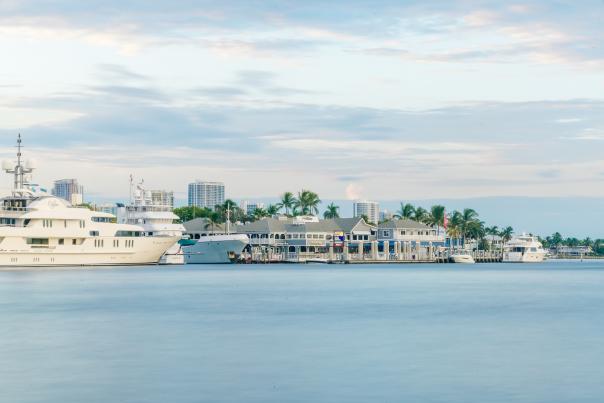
pixel 384 99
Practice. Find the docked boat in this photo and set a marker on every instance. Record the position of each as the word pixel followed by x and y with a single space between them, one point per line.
pixel 462 257
pixel 37 229
pixel 215 248
pixel 155 217
pixel 524 249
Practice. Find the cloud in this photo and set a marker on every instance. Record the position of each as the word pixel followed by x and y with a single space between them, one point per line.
pixel 353 191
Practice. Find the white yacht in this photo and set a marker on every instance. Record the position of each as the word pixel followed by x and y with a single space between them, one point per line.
pixel 202 244
pixel 156 218
pixel 524 249
pixel 37 229
pixel 216 248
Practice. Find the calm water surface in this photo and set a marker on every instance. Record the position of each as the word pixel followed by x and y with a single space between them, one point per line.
pixel 316 333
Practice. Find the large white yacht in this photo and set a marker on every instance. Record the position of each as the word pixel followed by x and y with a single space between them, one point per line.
pixel 203 245
pixel 524 249
pixel 156 218
pixel 37 229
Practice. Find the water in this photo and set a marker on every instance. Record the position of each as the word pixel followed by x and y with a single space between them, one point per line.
pixel 315 333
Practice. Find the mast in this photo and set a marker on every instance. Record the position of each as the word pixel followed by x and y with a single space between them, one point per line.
pixel 19 170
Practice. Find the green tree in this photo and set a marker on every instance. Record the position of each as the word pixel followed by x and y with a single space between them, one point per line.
pixel 406 211
pixel 492 232
pixel 331 211
pixel 420 214
pixel 556 239
pixel 308 202
pixel 272 210
pixel 506 234
pixel 259 213
pixel 436 217
pixel 288 202
pixel 211 220
pixel 188 213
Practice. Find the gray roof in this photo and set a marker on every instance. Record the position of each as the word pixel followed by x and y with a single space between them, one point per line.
pixel 403 224
pixel 203 225
pixel 269 225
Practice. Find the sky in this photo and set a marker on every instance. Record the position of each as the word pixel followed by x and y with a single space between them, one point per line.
pixel 384 100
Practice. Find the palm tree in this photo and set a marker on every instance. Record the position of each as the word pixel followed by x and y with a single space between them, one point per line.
pixel 308 202
pixel 455 226
pixel 406 211
pixel 288 201
pixel 506 234
pixel 492 231
pixel 272 210
pixel 259 213
pixel 331 211
pixel 437 217
pixel 469 217
pixel 420 215
pixel 212 220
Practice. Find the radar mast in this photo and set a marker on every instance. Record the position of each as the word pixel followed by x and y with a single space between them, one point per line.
pixel 18 170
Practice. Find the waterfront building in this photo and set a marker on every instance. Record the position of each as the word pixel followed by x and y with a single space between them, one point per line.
pixel 369 209
pixel 308 233
pixel 563 251
pixel 405 230
pixel 206 194
pixel 70 190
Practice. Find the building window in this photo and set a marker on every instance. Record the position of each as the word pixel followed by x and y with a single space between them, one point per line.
pixel 61 241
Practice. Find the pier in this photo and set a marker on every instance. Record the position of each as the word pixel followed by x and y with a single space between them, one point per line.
pixel 264 255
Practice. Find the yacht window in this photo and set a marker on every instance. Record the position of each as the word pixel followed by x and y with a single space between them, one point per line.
pixel 61 241
pixel 127 233
pixel 73 241
pixel 26 222
pixel 37 241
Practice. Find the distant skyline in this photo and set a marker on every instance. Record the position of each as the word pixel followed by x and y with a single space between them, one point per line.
pixel 384 100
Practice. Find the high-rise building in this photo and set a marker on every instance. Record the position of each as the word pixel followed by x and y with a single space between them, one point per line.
pixel 70 190
pixel 159 198
pixel 386 215
pixel 249 207
pixel 370 209
pixel 206 194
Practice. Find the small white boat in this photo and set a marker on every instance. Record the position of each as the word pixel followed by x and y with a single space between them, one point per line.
pixel 462 257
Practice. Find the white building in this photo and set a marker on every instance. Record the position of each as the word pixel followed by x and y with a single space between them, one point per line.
pixel 159 198
pixel 206 194
pixel 386 215
pixel 367 208
pixel 70 190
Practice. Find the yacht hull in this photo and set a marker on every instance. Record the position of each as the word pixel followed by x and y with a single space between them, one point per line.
pixel 215 249
pixel 146 250
pixel 464 259
pixel 527 257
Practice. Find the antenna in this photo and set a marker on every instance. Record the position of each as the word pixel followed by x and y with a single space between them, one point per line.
pixel 19 170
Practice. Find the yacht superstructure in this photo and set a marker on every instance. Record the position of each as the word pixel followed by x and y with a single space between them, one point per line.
pixel 524 249
pixel 156 219
pixel 37 229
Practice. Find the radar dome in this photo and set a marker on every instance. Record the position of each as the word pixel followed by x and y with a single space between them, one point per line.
pixel 31 164
pixel 6 165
